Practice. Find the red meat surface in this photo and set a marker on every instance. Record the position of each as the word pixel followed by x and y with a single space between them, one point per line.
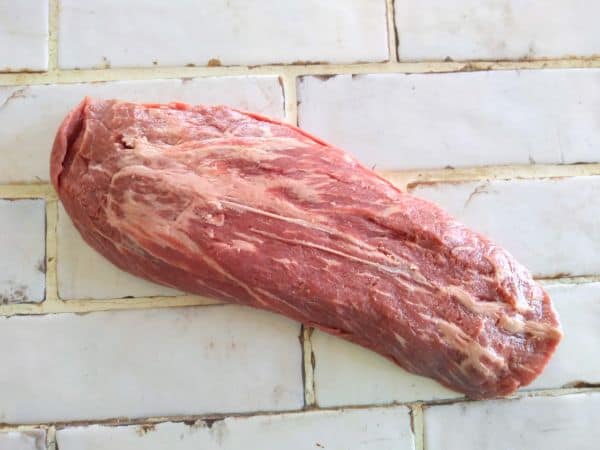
pixel 249 210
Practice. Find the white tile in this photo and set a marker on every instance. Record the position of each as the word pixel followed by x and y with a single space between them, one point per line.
pixel 365 429
pixel 34 439
pixel 30 115
pixel 576 359
pixel 232 32
pixel 496 29
pixel 411 121
pixel 84 273
pixel 552 226
pixel 549 423
pixel 23 256
pixel 23 35
pixel 347 374
pixel 140 363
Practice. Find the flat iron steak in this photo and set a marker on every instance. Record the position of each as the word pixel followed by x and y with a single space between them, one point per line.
pixel 232 205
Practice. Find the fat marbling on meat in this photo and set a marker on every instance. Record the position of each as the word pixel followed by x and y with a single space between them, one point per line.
pixel 249 210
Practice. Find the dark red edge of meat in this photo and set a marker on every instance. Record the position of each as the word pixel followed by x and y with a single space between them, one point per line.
pixel 61 158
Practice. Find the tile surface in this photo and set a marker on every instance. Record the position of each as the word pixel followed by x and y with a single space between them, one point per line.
pixel 366 429
pixel 576 358
pixel 140 363
pixel 30 115
pixel 23 35
pixel 550 423
pixel 347 374
pixel 84 273
pixel 399 121
pixel 496 29
pixel 23 440
pixel 552 226
pixel 23 257
pixel 216 32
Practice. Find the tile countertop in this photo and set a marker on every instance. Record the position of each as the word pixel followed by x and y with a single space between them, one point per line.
pixel 490 110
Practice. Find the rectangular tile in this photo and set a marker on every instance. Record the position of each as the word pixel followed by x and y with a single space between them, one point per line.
pixel 496 29
pixel 576 359
pixel 23 256
pixel 531 423
pixel 23 35
pixel 140 363
pixel 34 439
pixel 84 273
pixel 361 429
pixel 216 32
pixel 30 115
pixel 413 121
pixel 552 226
pixel 347 374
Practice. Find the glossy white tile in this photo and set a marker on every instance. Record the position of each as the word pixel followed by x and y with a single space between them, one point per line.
pixel 23 36
pixel 413 121
pixel 141 363
pixel 23 244
pixel 496 29
pixel 216 32
pixel 550 423
pixel 360 429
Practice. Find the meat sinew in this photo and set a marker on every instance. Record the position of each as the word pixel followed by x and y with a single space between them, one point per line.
pixel 236 206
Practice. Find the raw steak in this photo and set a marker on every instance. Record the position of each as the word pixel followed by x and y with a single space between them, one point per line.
pixel 236 206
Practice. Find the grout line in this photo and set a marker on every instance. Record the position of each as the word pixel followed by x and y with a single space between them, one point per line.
pixel 392 32
pixel 417 425
pixel 403 179
pixel 114 74
pixel 51 252
pixel 53 8
pixel 308 368
pixel 290 98
pixel 51 439
pixel 190 419
pixel 79 306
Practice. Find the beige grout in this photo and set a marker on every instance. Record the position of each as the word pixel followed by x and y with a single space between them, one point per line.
pixel 391 28
pixel 288 83
pixel 51 251
pixel 308 361
pixel 417 422
pixel 51 438
pixel 114 74
pixel 417 425
pixel 53 8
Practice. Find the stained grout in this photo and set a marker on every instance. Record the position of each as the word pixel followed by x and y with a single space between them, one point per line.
pixel 145 73
pixel 417 425
pixel 392 33
pixel 51 251
pixel 53 8
pixel 418 406
pixel 308 368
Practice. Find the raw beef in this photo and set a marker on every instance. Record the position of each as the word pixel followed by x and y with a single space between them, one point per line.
pixel 236 206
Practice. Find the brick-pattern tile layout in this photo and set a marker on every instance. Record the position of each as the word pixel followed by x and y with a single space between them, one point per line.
pixel 84 273
pixel 577 359
pixel 153 362
pixel 216 32
pixel 413 121
pixel 552 226
pixel 30 115
pixel 496 29
pixel 23 35
pixel 347 374
pixel 363 429
pixel 530 423
pixel 34 439
pixel 23 254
